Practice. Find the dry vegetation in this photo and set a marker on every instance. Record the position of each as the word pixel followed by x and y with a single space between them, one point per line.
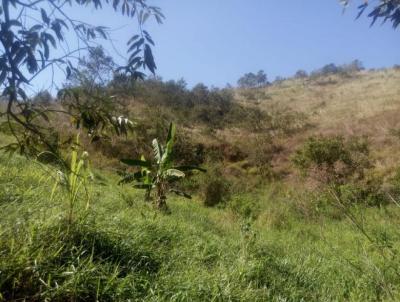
pixel 367 103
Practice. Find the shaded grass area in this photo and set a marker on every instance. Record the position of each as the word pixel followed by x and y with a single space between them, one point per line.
pixel 121 249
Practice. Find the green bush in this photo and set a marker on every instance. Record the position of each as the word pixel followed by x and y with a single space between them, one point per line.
pixel 215 188
pixel 368 192
pixel 333 160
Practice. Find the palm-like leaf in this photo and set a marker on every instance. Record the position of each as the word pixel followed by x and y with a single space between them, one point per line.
pixel 136 163
pixel 130 177
pixel 174 173
pixel 158 152
pixel 180 193
pixel 169 145
pixel 190 168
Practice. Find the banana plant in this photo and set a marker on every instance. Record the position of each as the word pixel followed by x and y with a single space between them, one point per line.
pixel 159 174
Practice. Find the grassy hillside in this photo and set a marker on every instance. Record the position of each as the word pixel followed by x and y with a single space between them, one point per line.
pixel 367 103
pixel 268 233
pixel 121 249
pixel 283 115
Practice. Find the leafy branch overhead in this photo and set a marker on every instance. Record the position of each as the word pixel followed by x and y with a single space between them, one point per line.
pixel 40 35
pixel 385 10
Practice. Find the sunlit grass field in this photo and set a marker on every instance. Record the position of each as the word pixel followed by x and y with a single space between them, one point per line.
pixel 121 249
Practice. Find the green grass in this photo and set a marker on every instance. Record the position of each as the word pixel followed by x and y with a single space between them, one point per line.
pixel 121 249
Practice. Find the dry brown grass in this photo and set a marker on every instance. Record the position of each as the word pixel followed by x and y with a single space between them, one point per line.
pixel 368 103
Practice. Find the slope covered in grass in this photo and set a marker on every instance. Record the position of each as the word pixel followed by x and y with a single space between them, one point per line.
pixel 121 249
pixel 365 103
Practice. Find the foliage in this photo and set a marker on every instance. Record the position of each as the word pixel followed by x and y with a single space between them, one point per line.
pixel 159 174
pixel 122 253
pixel 279 79
pixel 245 206
pixel 385 10
pixel 74 180
pixel 367 192
pixel 300 74
pixel 333 159
pixel 251 80
pixel 260 150
pixel 344 69
pixel 215 188
pixel 31 31
pixel 94 111
pixel 200 105
pixel 94 71
pixel 186 151
pixel 43 97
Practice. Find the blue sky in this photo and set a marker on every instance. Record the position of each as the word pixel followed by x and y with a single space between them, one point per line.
pixel 217 41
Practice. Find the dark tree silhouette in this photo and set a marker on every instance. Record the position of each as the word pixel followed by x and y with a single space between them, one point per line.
pixel 385 10
pixel 251 80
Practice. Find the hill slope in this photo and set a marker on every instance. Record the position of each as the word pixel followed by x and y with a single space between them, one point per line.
pixel 367 103
pixel 121 249
pixel 272 238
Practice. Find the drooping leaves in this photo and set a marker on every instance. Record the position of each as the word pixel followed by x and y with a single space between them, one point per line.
pixel 386 10
pixel 136 163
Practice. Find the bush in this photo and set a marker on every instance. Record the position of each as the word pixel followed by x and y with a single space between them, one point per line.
pixel 185 151
pixel 301 74
pixel 215 188
pixel 367 192
pixel 261 150
pixel 333 160
pixel 343 70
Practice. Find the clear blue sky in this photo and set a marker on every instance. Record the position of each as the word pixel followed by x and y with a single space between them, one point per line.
pixel 217 41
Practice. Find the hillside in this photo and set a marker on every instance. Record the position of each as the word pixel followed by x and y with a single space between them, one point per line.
pixel 121 249
pixel 365 104
pixel 258 228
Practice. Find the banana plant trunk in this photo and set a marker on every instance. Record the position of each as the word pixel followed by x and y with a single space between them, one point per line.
pixel 161 201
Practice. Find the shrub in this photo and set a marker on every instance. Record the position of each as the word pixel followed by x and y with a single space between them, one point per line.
pixel 333 160
pixel 367 192
pixel 301 74
pixel 215 188
pixel 261 150
pixel 186 151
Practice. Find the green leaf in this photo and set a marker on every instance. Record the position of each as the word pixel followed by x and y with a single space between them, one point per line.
pixel 171 133
pixel 190 168
pixel 170 142
pixel 175 173
pixel 128 178
pixel 143 186
pixel 181 193
pixel 157 150
pixel 136 163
